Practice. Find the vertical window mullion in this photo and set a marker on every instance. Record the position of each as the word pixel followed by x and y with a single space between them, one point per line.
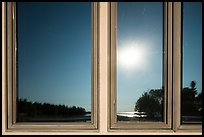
pixel 165 61
pixel 169 62
pixel 113 36
pixel 14 62
pixel 9 63
pixel 176 56
pixel 94 63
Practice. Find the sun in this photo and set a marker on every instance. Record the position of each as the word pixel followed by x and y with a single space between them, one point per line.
pixel 131 56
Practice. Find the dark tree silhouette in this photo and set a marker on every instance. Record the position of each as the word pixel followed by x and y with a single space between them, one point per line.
pixel 193 84
pixel 152 103
pixel 191 103
pixel 27 109
pixel 199 103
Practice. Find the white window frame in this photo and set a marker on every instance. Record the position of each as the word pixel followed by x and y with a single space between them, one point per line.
pixel 104 101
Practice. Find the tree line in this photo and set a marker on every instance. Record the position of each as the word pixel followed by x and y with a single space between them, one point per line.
pixel 152 102
pixel 29 109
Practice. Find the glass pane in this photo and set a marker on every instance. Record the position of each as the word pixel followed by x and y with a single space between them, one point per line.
pixel 140 61
pixel 54 62
pixel 192 63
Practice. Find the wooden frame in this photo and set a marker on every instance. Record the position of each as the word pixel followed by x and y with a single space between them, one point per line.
pixel 10 80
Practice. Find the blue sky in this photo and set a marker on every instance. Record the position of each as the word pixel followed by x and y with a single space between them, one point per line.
pixel 192 44
pixel 140 25
pixel 54 51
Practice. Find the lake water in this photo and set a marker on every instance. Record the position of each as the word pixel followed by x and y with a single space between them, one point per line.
pixel 132 114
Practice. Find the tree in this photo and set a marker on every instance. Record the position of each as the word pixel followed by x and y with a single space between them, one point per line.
pixel 152 103
pixel 29 110
pixel 193 84
pixel 199 103
pixel 188 100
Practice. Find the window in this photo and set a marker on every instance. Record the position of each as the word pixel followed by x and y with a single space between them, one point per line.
pixel 145 66
pixel 45 53
pixel 49 62
pixel 171 33
pixel 137 66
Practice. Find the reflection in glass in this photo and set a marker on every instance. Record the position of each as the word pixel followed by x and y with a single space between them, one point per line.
pixel 139 61
pixel 191 99
pixel 54 62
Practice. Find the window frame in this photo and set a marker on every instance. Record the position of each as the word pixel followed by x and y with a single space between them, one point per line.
pixel 10 92
pixel 103 82
pixel 177 44
pixel 172 18
pixel 183 126
pixel 113 124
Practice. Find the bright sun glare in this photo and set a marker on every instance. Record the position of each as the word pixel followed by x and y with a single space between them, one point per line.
pixel 131 56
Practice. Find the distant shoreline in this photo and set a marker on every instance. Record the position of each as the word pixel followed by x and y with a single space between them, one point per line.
pixel 65 119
